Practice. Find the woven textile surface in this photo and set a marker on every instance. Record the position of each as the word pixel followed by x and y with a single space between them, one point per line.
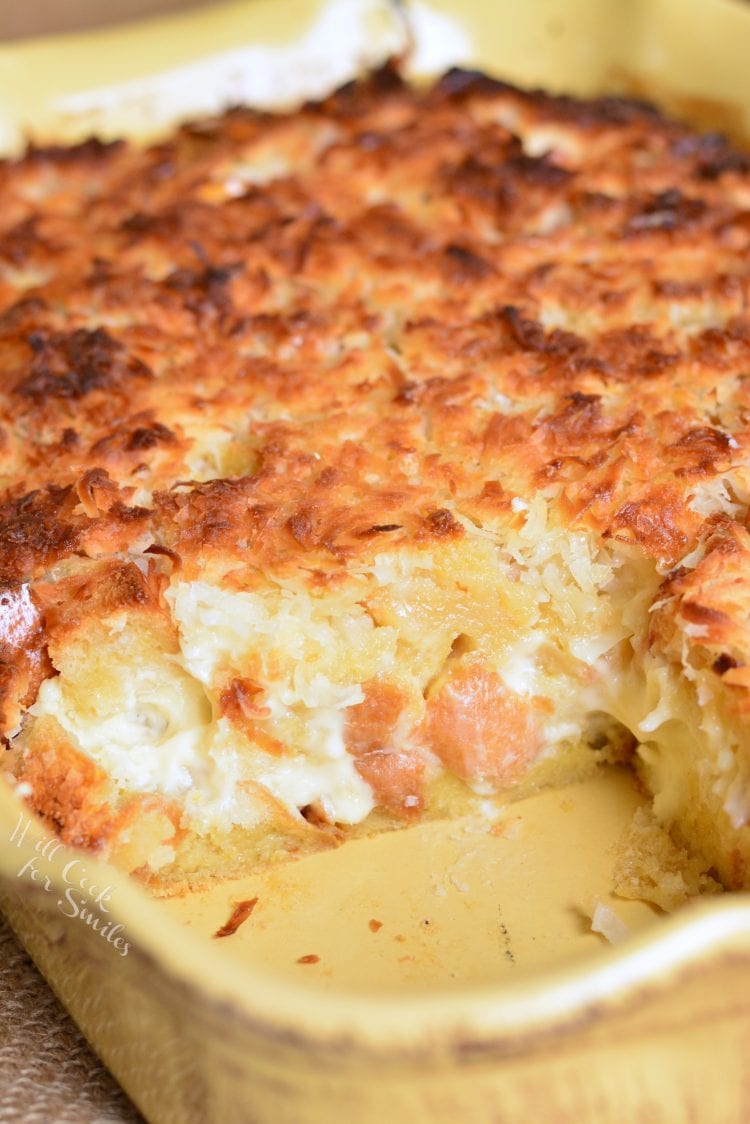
pixel 48 1074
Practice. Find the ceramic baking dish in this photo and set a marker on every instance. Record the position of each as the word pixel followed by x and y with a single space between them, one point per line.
pixel 444 973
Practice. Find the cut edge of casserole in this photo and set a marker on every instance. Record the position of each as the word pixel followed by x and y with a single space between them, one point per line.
pixel 383 460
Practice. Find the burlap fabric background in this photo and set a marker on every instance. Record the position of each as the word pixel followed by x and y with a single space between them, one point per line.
pixel 48 1075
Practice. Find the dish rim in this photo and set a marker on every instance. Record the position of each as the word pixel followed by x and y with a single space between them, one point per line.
pixel 548 999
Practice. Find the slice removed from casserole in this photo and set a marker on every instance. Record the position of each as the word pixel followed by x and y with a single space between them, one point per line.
pixel 381 460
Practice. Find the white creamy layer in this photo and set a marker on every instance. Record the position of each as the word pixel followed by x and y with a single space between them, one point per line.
pixel 155 743
pixel 171 750
pixel 157 730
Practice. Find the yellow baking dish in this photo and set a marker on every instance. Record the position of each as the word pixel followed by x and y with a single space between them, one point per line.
pixel 447 972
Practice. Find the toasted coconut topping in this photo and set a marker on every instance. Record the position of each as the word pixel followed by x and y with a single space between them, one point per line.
pixel 384 421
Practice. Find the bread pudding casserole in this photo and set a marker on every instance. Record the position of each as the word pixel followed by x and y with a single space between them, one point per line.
pixel 380 460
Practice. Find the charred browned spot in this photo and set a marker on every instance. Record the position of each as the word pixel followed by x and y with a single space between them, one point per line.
pixel 132 438
pixel 463 265
pixel 724 663
pixel 141 223
pixel 206 290
pixel 580 418
pixel 309 958
pixel 678 288
pixel 506 184
pixel 529 334
pixel 305 238
pixel 383 81
pixel 537 171
pixel 146 437
pixel 237 917
pixel 176 221
pixel 721 345
pixel 91 150
pixel 656 362
pixel 705 448
pixel 652 522
pixel 706 437
pixel 611 110
pixel 723 160
pixel 407 394
pixel 207 514
pixel 69 439
pixel 443 524
pixel 127 587
pixel 378 529
pixel 22 241
pixel 328 478
pixel 458 83
pixel 36 529
pixel 125 514
pixel 302 528
pixel 667 211
pixel 386 231
pixel 73 364
pixel 164 551
pixel 24 315
pixel 635 352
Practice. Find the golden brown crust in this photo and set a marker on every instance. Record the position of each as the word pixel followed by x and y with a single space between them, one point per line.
pixel 69 791
pixel 702 615
pixel 288 342
pixel 24 661
pixel 235 312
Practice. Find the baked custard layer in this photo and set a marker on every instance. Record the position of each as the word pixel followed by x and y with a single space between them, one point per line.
pixel 379 460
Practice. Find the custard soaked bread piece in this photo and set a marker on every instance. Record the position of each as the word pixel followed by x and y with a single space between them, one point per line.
pixel 372 461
